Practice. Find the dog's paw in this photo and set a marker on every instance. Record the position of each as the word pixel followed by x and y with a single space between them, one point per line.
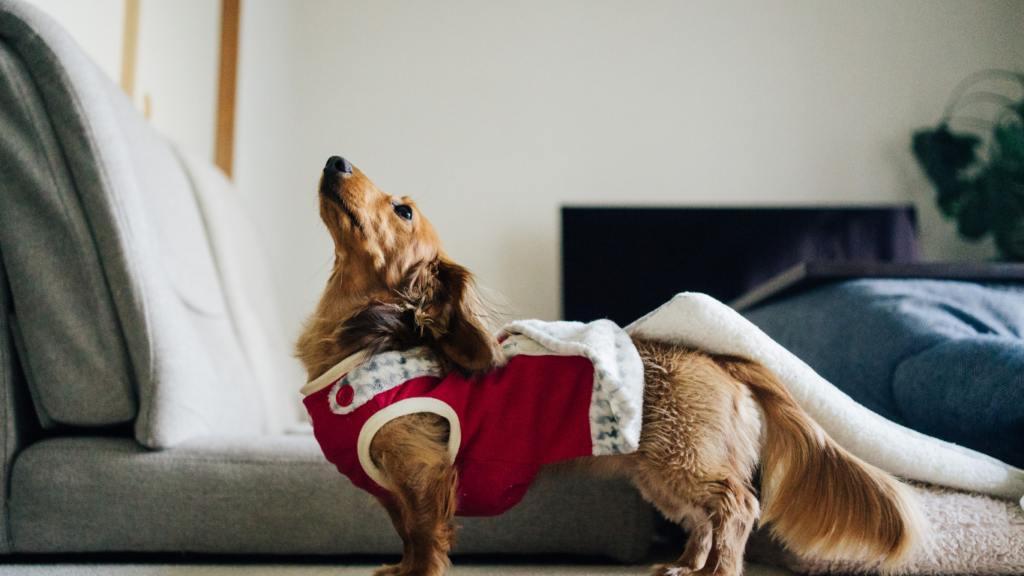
pixel 670 570
pixel 395 570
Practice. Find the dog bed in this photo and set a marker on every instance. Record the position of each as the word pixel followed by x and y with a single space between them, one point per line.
pixel 995 545
pixel 945 358
pixel 973 534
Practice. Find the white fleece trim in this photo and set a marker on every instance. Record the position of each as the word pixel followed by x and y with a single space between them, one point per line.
pixel 404 408
pixel 336 372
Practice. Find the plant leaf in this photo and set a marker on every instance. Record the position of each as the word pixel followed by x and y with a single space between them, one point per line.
pixel 943 155
pixel 972 215
pixel 1009 142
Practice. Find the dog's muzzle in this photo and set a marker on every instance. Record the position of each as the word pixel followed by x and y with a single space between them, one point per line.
pixel 331 182
pixel 337 165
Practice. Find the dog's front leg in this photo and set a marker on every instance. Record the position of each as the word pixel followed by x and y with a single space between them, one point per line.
pixel 411 452
pixel 395 513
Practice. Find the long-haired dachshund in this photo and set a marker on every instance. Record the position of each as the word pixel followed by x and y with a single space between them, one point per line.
pixel 393 288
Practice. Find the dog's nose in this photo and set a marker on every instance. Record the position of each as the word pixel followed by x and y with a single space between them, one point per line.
pixel 336 164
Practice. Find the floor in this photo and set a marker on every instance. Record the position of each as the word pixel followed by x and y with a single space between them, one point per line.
pixel 318 570
pixel 227 566
pixel 289 570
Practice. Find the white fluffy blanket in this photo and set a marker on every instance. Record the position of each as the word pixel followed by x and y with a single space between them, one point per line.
pixel 699 320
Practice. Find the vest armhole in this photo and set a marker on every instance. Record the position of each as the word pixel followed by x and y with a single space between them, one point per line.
pixel 404 408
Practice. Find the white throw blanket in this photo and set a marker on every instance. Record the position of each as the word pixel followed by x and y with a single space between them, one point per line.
pixel 698 320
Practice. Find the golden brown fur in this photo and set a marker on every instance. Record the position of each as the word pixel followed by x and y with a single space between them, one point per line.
pixel 393 287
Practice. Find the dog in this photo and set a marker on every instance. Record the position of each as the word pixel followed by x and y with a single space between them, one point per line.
pixel 393 289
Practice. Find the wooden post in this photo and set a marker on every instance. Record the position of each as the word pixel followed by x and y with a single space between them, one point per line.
pixel 130 48
pixel 225 138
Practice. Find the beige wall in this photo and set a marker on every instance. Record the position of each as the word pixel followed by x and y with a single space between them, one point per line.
pixel 97 26
pixel 179 56
pixel 493 114
pixel 176 64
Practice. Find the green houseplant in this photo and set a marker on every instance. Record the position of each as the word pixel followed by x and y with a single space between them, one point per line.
pixel 975 159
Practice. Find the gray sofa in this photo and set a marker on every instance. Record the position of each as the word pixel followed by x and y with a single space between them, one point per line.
pixel 141 361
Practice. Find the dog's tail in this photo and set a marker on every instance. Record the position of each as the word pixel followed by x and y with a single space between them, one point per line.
pixel 820 500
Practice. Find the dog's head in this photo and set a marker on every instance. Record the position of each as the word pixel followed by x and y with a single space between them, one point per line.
pixel 392 284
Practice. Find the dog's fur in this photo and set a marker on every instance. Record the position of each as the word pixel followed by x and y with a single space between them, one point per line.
pixel 393 288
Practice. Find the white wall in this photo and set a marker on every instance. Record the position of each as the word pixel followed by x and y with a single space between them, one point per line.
pixel 97 26
pixel 267 168
pixel 493 114
pixel 177 68
pixel 176 63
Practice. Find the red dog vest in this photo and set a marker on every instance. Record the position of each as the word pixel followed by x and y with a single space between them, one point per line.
pixel 577 394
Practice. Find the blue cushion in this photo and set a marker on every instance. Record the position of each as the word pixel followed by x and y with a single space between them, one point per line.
pixel 941 357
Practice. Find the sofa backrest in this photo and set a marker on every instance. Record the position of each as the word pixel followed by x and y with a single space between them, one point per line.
pixel 18 424
pixel 120 307
pixel 66 317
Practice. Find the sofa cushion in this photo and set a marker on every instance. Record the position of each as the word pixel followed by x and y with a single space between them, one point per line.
pixel 277 495
pixel 941 357
pixel 188 369
pixel 70 337
pixel 244 272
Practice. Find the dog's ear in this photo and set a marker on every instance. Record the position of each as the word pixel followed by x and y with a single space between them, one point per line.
pixel 378 326
pixel 451 315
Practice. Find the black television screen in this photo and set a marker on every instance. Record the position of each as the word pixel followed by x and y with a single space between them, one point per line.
pixel 622 262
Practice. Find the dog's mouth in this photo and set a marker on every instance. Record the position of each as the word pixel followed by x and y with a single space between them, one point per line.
pixel 332 195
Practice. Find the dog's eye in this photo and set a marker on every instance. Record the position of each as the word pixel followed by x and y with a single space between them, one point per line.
pixel 404 211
